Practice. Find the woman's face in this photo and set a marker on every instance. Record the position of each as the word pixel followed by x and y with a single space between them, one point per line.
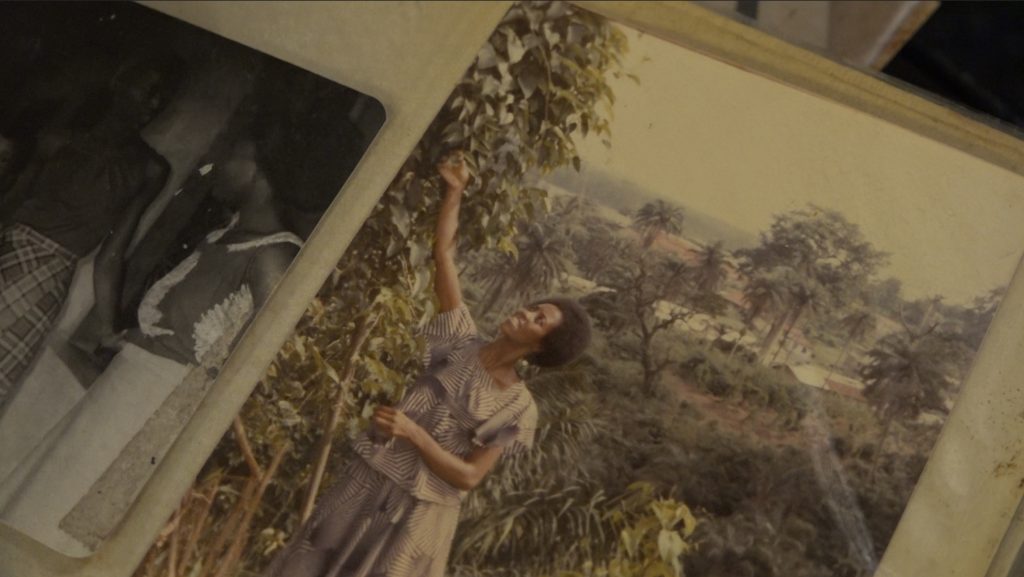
pixel 530 325
pixel 142 97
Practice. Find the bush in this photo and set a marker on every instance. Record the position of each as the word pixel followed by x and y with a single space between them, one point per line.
pixel 723 376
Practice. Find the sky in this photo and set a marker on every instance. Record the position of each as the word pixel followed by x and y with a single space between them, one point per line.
pixel 743 148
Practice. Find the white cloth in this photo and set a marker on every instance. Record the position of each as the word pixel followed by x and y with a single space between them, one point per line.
pixel 75 453
pixel 50 391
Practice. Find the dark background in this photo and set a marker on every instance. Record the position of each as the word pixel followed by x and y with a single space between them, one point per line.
pixel 971 53
pixel 968 53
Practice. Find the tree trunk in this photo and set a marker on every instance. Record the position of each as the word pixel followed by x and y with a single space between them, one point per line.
pixel 241 536
pixel 363 328
pixel 243 443
pixel 773 333
pixel 881 445
pixel 231 525
pixel 796 312
pixel 172 555
pixel 650 372
pixel 199 524
pixel 737 344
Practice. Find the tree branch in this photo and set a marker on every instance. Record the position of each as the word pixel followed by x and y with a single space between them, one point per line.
pixel 241 537
pixel 243 444
pixel 364 326
pixel 200 523
pixel 671 320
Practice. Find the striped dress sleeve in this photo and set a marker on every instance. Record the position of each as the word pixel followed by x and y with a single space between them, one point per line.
pixel 515 436
pixel 526 429
pixel 448 329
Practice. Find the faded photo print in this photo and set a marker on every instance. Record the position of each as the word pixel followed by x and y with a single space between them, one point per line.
pixel 156 181
pixel 625 311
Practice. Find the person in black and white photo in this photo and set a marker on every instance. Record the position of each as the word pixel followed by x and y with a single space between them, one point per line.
pixel 91 190
pixel 172 176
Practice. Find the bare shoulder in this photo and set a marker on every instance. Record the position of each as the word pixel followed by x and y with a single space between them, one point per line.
pixel 268 267
pixel 275 258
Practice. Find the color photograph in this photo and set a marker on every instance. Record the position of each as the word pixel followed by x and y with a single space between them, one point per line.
pixel 625 310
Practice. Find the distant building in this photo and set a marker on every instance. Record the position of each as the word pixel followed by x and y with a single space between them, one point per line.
pixel 583 285
pixel 819 378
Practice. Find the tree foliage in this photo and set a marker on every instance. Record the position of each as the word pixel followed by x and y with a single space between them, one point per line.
pixel 656 218
pixel 818 257
pixel 908 373
pixel 645 291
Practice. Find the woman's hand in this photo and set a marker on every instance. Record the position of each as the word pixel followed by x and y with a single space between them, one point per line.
pixel 454 171
pixel 112 340
pixel 394 423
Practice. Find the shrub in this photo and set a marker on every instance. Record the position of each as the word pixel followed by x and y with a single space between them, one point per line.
pixel 723 376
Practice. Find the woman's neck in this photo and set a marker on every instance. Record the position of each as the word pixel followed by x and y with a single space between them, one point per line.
pixel 499 358
pixel 259 215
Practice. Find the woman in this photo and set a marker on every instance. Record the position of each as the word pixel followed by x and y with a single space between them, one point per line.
pixel 195 309
pixel 395 510
pixel 97 182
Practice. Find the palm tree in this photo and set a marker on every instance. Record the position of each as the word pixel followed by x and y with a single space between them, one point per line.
pixel 804 295
pixel 763 294
pixel 856 326
pixel 658 217
pixel 542 260
pixel 907 374
pixel 710 270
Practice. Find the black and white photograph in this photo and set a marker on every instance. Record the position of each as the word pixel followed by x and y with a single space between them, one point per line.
pixel 156 181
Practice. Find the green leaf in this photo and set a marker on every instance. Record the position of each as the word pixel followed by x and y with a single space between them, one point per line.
pixel 670 545
pixel 490 87
pixel 515 47
pixel 553 37
pixel 401 219
pixel 531 41
pixel 486 58
pixel 576 33
pixel 529 78
pixel 417 254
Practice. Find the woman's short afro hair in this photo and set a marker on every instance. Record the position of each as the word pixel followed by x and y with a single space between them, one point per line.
pixel 569 339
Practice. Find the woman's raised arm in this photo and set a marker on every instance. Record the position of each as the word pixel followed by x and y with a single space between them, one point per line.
pixel 446 280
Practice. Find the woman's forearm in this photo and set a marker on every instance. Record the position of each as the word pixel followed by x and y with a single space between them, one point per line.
pixel 460 473
pixel 446 278
pixel 451 468
pixel 447 223
pixel 107 277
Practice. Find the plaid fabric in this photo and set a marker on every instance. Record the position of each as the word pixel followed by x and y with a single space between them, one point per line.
pixel 35 273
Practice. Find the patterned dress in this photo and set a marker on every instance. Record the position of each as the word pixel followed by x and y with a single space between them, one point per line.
pixel 389 514
pixel 114 438
pixel 35 274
